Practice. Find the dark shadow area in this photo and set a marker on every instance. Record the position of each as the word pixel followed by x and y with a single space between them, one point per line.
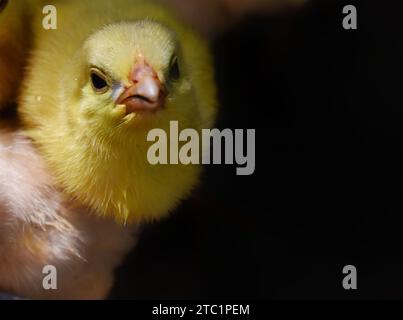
pixel 328 110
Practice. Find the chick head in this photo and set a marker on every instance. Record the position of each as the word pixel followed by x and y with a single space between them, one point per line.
pixel 126 79
pixel 133 77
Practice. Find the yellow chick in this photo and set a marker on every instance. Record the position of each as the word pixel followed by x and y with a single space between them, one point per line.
pixel 14 42
pixel 111 72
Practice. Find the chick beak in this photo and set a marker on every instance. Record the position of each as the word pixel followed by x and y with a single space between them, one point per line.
pixel 145 92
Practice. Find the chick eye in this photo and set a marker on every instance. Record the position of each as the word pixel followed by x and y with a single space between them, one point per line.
pixel 98 81
pixel 174 71
pixel 3 4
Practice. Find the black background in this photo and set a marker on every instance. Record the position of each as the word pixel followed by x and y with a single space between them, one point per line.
pixel 328 110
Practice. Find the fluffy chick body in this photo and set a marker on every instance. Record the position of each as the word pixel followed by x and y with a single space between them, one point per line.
pixel 40 227
pixel 96 153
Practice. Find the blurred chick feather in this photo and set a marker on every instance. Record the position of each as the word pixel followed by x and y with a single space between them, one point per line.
pixel 40 226
pixel 93 140
pixel 14 42
pixel 212 17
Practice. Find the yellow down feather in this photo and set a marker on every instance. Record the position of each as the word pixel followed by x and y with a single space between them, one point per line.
pixel 97 155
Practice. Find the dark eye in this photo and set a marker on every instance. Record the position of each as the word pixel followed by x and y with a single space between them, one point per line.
pixel 98 81
pixel 174 71
pixel 3 4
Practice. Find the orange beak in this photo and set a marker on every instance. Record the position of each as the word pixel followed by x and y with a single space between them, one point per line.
pixel 145 93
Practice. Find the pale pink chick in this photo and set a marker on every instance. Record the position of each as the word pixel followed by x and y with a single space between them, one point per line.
pixel 39 227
